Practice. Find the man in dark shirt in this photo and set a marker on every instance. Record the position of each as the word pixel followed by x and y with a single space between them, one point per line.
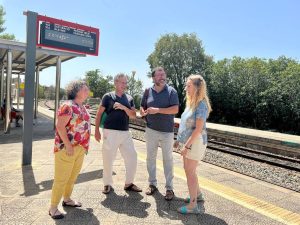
pixel 119 107
pixel 159 105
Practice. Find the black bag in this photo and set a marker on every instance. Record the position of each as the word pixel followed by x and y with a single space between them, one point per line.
pixel 144 101
pixel 107 111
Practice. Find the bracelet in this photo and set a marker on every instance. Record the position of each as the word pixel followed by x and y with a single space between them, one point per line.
pixel 187 147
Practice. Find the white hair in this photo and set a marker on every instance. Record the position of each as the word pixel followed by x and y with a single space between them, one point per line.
pixel 118 76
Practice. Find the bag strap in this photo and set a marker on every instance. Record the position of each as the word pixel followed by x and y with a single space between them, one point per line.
pixel 113 97
pixel 145 99
pixel 169 92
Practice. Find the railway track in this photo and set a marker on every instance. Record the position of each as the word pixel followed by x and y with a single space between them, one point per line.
pixel 260 156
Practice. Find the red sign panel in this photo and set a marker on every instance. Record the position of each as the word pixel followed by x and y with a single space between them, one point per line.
pixel 63 35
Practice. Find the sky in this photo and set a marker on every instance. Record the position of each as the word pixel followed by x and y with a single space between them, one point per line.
pixel 129 30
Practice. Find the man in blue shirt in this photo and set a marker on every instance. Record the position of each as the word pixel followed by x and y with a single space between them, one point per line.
pixel 159 105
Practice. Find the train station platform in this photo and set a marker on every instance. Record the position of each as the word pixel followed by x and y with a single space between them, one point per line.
pixel 272 142
pixel 230 198
pixel 267 141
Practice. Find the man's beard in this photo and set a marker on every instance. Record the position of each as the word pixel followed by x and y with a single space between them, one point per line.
pixel 159 83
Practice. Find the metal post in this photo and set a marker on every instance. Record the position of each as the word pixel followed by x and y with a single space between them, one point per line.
pixel 2 85
pixel 29 87
pixel 18 92
pixel 57 87
pixel 8 93
pixel 37 75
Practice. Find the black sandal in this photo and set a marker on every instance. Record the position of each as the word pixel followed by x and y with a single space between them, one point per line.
pixel 169 195
pixel 76 204
pixel 133 187
pixel 107 189
pixel 151 190
pixel 56 217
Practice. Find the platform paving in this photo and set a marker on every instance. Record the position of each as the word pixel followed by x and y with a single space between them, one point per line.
pixel 231 198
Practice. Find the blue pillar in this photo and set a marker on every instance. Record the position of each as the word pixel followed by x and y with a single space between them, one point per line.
pixel 29 87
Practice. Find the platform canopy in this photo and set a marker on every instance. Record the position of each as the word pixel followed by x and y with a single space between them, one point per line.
pixel 44 57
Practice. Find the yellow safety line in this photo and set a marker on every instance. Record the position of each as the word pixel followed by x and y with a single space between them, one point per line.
pixel 272 211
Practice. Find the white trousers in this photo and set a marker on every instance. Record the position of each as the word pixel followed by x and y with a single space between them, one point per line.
pixel 112 141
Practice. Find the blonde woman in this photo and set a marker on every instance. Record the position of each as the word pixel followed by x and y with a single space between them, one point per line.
pixel 192 138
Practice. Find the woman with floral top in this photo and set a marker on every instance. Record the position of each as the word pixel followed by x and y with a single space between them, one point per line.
pixel 72 137
pixel 192 138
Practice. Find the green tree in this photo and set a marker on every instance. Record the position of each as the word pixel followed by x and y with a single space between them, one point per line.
pixel 42 91
pixel 256 93
pixel 2 28
pixel 221 91
pixel 98 83
pixel 50 92
pixel 135 88
pixel 180 56
pixel 282 99
pixel 62 93
pixel 235 88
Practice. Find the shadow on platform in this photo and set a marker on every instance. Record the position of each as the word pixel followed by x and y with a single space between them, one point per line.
pixel 168 209
pixel 33 188
pixel 79 216
pixel 130 204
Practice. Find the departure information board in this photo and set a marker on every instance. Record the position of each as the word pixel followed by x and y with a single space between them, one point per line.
pixel 63 35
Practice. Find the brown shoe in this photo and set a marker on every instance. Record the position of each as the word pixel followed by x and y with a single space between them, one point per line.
pixel 132 187
pixel 169 195
pixel 151 190
pixel 107 189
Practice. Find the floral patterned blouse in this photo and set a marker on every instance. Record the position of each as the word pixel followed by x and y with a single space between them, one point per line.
pixel 78 128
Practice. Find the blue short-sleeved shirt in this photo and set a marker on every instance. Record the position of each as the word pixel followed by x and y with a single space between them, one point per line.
pixel 163 99
pixel 116 119
pixel 188 122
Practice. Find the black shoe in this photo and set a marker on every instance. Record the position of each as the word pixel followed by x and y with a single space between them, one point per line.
pixel 151 190
pixel 56 217
pixel 107 189
pixel 169 195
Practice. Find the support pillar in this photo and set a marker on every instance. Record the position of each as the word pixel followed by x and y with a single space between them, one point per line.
pixel 8 93
pixel 57 87
pixel 1 86
pixel 29 87
pixel 36 105
pixel 18 92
